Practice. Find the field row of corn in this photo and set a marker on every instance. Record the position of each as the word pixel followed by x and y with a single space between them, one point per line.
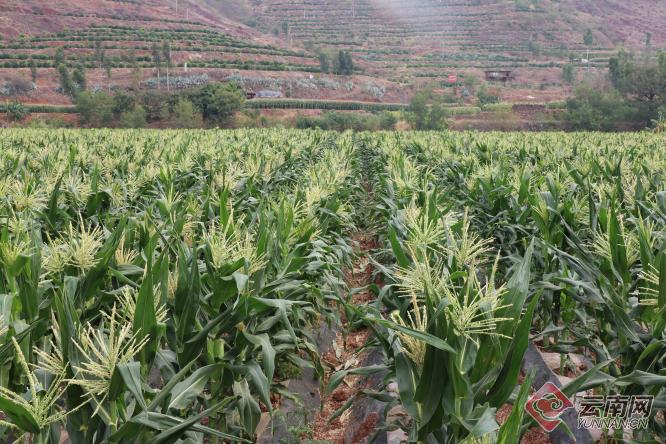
pixel 162 286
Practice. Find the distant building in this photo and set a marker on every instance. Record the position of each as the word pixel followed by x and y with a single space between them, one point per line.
pixel 500 75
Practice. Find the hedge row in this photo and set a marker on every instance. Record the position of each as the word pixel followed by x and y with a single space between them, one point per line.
pixel 322 104
pixel 44 109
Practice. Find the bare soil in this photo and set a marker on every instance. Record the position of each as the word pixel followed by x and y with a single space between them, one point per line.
pixel 348 351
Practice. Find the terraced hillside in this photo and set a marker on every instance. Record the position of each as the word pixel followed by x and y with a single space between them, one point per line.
pixel 430 39
pixel 397 46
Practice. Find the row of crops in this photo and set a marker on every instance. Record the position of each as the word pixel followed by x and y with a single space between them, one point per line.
pixel 491 241
pixel 151 280
pixel 126 47
pixel 164 286
pixel 484 35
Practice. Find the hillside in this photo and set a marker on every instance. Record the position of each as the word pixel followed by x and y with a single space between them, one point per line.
pixel 430 39
pixel 273 45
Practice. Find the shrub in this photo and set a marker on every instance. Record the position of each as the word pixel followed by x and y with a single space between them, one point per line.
pixel 185 115
pixel 16 86
pixel 156 105
pixel 218 102
pixel 135 118
pixel 425 117
pixel 568 73
pixel 17 112
pixel 387 121
pixel 487 97
pixel 123 102
pixel 95 108
pixel 593 109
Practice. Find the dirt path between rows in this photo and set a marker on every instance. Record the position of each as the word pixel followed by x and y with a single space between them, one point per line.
pixel 348 352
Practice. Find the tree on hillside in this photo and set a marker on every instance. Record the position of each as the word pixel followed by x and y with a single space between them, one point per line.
pixel 17 111
pixel 568 73
pixel 642 83
pixel 592 109
pixel 100 54
pixel 79 78
pixel 66 83
pixel 324 63
pixel 588 38
pixel 59 57
pixel 344 65
pixel 95 108
pixel 136 72
pixel 33 70
pixel 166 55
pixel 418 106
pixel 218 102
pixel 157 61
pixel 619 69
pixel 185 115
pixel 134 118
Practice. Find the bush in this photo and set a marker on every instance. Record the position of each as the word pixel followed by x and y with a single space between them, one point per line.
pixel 340 121
pixel 53 122
pixel 425 117
pixel 16 86
pixel 156 105
pixel 387 121
pixel 95 108
pixel 593 109
pixel 136 118
pixel 218 102
pixel 568 74
pixel 17 112
pixel 185 115
pixel 123 102
pixel 487 97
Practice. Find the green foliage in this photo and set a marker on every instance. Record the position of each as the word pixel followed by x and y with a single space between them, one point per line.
pixel 424 116
pixel 487 97
pixel 562 249
pixel 218 102
pixel 338 105
pixel 324 61
pixel 95 108
pixel 66 83
pixel 17 112
pixel 59 57
pixel 344 64
pixel 79 79
pixel 123 102
pixel 642 84
pixel 591 108
pixel 588 38
pixel 135 118
pixel 568 73
pixel 156 104
pixel 161 300
pixel 185 115
pixel 33 70
pixel 340 121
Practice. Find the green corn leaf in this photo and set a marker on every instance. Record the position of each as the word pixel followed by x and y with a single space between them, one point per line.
pixel 19 415
pixel 183 393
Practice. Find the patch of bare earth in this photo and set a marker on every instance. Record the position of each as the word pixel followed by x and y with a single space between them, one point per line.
pixel 533 436
pixel 347 352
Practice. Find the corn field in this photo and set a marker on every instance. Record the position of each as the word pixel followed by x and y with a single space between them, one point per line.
pixel 161 286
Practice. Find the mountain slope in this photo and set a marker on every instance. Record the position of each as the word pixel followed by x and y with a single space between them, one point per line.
pixel 399 45
pixel 401 39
